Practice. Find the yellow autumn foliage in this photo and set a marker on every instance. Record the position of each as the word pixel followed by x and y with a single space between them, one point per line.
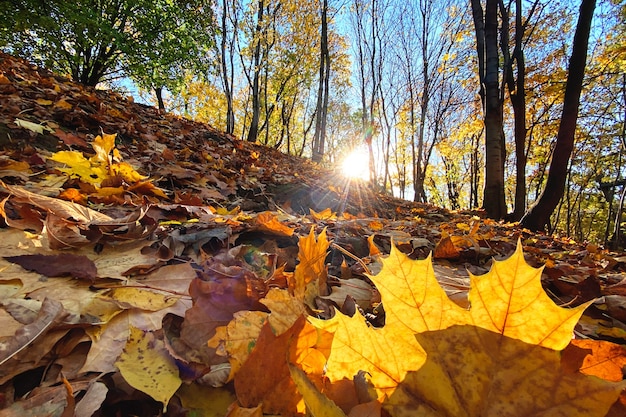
pixel 106 163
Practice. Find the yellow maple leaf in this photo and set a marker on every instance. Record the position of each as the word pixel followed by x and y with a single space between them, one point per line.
pixel 127 297
pixel 285 309
pixel 317 403
pixel 312 267
pixel 508 302
pixel 386 354
pixel 101 167
pixel 147 366
pixel 268 222
pixel 103 145
pixel 238 338
pixel 126 171
pixel 326 214
pixel 77 164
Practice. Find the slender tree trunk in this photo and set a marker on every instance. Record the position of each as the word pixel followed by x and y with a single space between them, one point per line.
pixel 414 147
pixel 158 92
pixel 517 95
pixel 538 216
pixel 475 171
pixel 373 58
pixel 366 116
pixel 253 132
pixel 516 83
pixel 230 114
pixel 319 137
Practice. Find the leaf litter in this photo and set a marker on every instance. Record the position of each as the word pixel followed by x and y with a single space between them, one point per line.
pixel 153 265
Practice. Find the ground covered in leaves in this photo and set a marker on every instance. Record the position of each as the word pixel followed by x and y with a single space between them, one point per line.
pixel 152 265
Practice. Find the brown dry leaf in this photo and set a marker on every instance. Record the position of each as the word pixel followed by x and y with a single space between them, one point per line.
pixel 46 401
pixel 265 379
pixel 358 289
pixel 18 166
pixel 236 411
pixel 474 372
pixel 27 217
pixel 216 299
pixel 71 140
pixel 596 357
pixel 445 248
pixel 108 341
pixel 369 409
pixel 172 278
pixel 63 209
pixel 92 400
pixel 77 266
pixel 50 314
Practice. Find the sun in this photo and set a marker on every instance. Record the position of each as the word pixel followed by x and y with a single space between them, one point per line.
pixel 356 165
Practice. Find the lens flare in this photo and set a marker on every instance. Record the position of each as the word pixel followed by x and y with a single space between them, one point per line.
pixel 356 165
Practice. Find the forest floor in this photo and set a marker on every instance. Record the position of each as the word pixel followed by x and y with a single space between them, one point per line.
pixel 86 214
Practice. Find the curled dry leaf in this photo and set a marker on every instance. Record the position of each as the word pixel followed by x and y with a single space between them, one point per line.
pixel 49 315
pixel 64 209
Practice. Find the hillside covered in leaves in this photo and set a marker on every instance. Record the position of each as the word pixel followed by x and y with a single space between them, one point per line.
pixel 152 265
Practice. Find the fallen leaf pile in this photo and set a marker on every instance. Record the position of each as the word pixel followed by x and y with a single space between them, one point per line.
pixel 151 265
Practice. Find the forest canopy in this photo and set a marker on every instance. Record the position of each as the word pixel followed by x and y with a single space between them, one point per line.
pixel 401 82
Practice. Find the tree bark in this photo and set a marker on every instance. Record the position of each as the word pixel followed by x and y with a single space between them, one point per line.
pixel 486 26
pixel 319 137
pixel 538 216
pixel 226 78
pixel 517 96
pixel 158 91
pixel 253 132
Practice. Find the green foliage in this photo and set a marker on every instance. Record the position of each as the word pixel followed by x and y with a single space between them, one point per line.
pixel 94 41
pixel 180 46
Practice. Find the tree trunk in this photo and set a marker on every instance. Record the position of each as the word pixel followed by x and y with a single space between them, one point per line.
pixel 517 94
pixel 486 26
pixel 319 137
pixel 474 171
pixel 230 114
pixel 253 132
pixel 538 216
pixel 158 91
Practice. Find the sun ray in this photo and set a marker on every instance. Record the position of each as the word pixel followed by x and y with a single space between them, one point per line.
pixel 356 164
